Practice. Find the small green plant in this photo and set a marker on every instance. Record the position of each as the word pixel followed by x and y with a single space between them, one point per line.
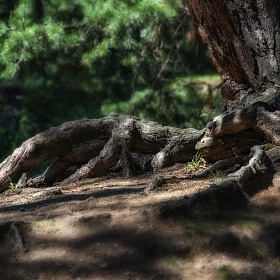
pixel 12 186
pixel 269 146
pixel 197 162
pixel 172 259
pixel 15 187
pixel 217 177
pixel 226 273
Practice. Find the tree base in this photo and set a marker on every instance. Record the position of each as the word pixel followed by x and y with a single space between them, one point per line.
pixel 89 148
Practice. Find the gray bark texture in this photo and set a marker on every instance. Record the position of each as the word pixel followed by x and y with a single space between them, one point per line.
pixel 93 146
pixel 243 41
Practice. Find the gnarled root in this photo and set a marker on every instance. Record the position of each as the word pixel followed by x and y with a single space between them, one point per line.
pixel 90 147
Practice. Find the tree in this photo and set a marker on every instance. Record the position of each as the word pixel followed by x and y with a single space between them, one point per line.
pixel 94 57
pixel 242 41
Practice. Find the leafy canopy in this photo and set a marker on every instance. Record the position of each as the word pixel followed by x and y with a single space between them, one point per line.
pixel 58 32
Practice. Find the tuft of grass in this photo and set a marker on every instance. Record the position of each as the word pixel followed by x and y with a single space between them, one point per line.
pixel 197 162
pixel 217 177
pixel 12 186
pixel 269 146
pixel 261 252
pixel 226 272
pixel 252 223
pixel 172 260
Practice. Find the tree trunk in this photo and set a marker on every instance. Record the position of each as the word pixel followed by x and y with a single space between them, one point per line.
pixel 242 39
pixel 243 42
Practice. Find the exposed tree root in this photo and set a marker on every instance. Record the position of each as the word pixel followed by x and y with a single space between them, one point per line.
pixel 156 183
pixel 230 194
pixel 89 148
pixel 226 196
pixel 257 165
pixel 222 165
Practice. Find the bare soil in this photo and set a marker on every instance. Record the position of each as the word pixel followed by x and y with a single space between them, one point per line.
pixel 106 228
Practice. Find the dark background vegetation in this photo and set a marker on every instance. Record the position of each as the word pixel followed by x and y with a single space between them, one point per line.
pixel 62 60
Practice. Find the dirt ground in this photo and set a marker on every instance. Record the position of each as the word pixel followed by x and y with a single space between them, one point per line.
pixel 106 228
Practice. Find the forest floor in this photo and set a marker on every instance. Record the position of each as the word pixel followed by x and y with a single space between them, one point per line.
pixel 106 228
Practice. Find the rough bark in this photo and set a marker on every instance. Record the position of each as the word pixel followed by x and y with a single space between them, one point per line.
pixel 93 146
pixel 242 38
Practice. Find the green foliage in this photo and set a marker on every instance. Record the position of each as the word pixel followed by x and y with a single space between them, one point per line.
pixel 226 272
pixel 217 177
pixel 174 104
pixel 87 30
pixel 197 162
pixel 75 59
pixel 12 186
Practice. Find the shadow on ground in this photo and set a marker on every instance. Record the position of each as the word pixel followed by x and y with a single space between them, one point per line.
pixel 54 199
pixel 86 247
pixel 79 242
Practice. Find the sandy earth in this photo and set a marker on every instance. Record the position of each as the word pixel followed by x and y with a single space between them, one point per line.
pixel 106 228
